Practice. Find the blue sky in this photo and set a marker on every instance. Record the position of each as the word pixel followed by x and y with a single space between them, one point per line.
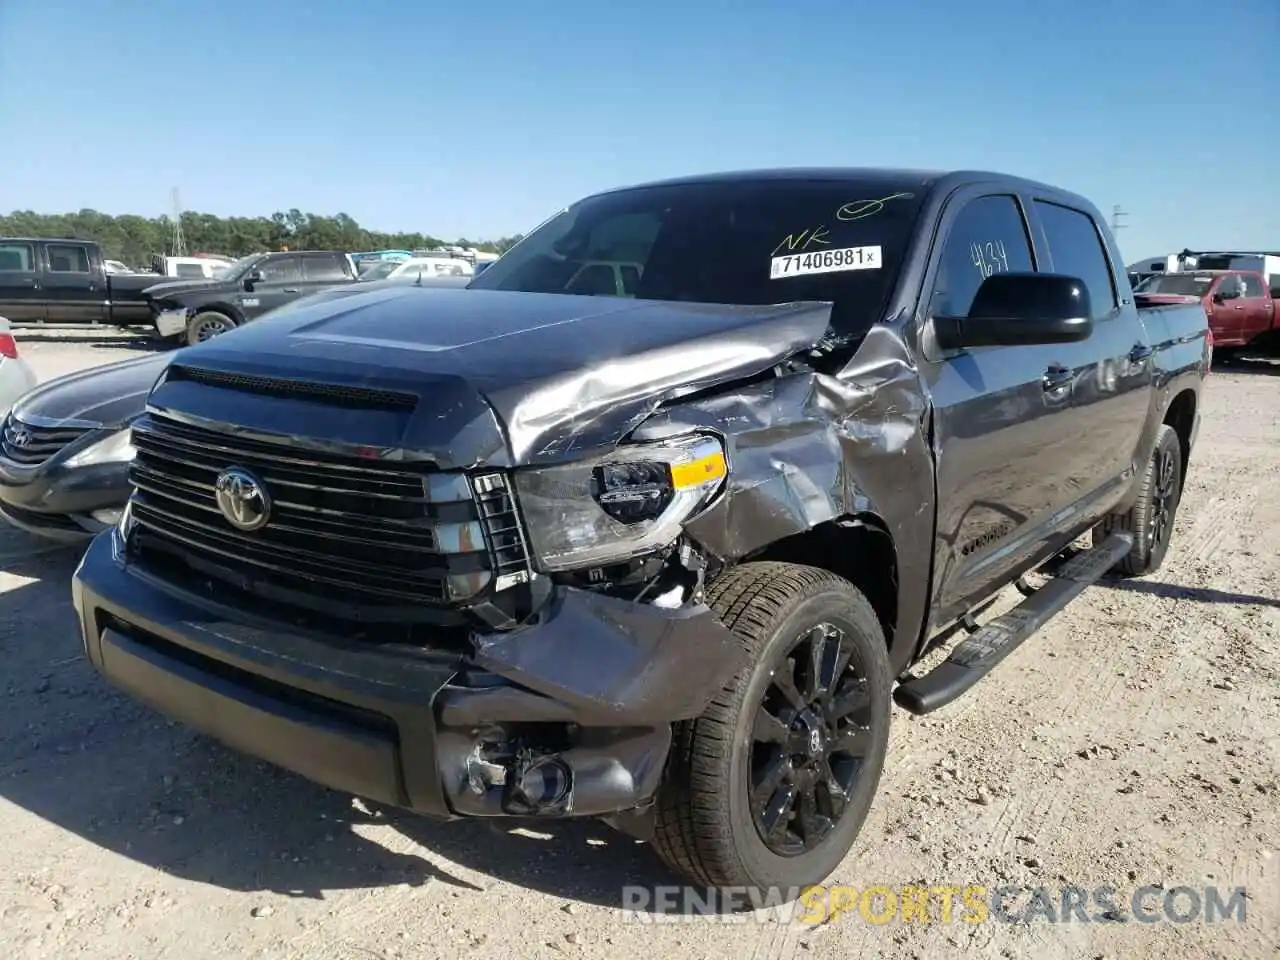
pixel 481 119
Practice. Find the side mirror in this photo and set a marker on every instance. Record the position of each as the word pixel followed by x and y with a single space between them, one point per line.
pixel 1224 295
pixel 255 276
pixel 1019 309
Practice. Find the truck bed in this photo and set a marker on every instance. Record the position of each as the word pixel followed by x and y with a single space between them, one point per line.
pixel 1170 323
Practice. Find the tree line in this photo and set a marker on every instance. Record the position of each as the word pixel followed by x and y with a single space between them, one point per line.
pixel 134 239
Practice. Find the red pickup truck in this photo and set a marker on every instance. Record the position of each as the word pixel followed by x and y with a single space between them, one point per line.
pixel 1239 304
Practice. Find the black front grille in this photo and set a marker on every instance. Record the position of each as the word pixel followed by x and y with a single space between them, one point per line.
pixel 341 530
pixel 31 445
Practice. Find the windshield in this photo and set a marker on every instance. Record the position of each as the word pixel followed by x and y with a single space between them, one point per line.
pixel 748 242
pixel 233 269
pixel 380 270
pixel 1177 284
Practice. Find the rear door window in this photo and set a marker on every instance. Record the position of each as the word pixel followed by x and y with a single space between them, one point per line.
pixel 323 269
pixel 1076 248
pixel 67 258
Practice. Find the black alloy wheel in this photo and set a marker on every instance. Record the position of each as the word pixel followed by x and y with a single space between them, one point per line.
pixel 810 739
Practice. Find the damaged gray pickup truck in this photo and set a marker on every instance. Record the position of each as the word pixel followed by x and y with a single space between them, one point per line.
pixel 653 521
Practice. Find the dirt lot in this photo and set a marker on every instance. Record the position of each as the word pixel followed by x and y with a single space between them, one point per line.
pixel 1135 742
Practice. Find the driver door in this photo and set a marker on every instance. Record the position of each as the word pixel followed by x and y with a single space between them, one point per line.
pixel 1002 416
pixel 281 282
pixel 1226 310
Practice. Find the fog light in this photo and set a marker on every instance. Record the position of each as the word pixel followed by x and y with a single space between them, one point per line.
pixel 545 783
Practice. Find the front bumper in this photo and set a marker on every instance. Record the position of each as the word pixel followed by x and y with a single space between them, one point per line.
pixel 568 716
pixel 170 323
pixel 55 501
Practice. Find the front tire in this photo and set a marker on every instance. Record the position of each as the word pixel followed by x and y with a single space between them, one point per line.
pixel 771 785
pixel 1151 517
pixel 206 325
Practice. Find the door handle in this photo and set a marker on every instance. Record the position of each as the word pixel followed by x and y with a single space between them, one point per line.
pixel 1057 378
pixel 290 290
pixel 1140 353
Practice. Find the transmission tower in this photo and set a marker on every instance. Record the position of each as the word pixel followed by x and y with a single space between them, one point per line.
pixel 179 242
pixel 1116 214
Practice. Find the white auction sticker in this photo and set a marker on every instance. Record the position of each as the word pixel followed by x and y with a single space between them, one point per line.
pixel 825 261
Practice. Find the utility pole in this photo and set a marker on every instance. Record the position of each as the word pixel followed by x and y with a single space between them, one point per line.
pixel 179 243
pixel 1116 214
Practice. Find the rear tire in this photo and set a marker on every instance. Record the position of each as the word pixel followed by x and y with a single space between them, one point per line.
pixel 207 325
pixel 1152 515
pixel 833 729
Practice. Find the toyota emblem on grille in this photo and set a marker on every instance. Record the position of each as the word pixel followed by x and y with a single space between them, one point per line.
pixel 20 437
pixel 242 499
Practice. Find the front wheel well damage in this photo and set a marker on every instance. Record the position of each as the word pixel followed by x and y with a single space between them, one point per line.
pixel 859 549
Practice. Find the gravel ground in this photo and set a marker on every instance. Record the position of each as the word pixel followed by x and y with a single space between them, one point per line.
pixel 1135 741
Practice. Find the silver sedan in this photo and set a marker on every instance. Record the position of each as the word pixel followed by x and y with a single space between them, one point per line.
pixel 16 377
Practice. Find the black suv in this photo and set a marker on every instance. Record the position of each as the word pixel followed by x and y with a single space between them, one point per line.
pixel 195 310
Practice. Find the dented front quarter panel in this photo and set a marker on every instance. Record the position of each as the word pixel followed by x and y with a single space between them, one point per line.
pixel 809 448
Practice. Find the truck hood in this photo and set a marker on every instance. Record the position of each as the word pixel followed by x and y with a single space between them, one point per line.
pixel 484 376
pixel 108 395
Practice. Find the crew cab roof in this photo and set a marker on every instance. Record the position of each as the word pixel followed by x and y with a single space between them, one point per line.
pixel 941 180
pixel 49 240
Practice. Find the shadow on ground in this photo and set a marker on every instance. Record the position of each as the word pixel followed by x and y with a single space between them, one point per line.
pixel 76 754
pixel 1173 591
pixel 108 338
pixel 1248 364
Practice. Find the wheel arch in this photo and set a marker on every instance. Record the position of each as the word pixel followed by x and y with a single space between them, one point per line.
pixel 229 310
pixel 1181 416
pixel 860 549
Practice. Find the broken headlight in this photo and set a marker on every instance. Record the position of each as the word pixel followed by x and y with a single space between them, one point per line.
pixel 608 509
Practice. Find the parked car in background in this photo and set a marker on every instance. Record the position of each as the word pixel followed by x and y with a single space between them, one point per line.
pixel 426 267
pixel 65 449
pixel 369 257
pixel 193 311
pixel 664 555
pixel 1239 304
pixel 64 481
pixel 190 268
pixel 66 281
pixel 16 376
pixel 1267 264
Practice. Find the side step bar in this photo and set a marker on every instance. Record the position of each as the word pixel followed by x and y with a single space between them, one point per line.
pixel 979 653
